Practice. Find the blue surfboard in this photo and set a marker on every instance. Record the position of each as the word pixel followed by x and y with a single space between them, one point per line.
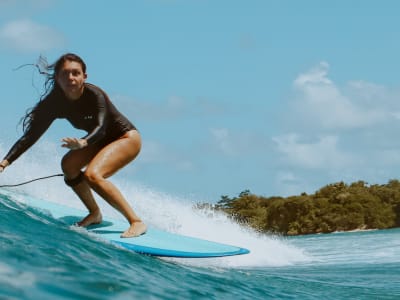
pixel 154 242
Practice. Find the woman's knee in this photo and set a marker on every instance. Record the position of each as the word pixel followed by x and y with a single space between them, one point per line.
pixel 72 175
pixel 75 160
pixel 93 177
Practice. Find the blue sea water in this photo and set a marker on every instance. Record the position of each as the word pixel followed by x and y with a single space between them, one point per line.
pixel 42 258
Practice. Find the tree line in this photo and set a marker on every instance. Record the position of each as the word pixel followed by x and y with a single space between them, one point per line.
pixel 335 207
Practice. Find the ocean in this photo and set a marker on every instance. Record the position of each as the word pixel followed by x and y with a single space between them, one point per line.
pixel 42 258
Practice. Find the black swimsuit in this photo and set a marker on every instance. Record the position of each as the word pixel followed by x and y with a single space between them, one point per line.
pixel 92 112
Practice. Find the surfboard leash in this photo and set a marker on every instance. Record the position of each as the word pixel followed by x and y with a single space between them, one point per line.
pixel 26 182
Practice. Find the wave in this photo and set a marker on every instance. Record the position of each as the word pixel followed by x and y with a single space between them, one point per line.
pixel 157 208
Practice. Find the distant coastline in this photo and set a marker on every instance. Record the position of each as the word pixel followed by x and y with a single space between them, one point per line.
pixel 337 207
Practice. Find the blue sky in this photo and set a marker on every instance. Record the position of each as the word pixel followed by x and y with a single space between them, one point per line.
pixel 279 97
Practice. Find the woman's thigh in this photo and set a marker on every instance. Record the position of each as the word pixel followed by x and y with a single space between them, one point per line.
pixel 115 155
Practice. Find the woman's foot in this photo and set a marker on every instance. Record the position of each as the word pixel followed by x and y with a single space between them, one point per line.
pixel 137 228
pixel 91 218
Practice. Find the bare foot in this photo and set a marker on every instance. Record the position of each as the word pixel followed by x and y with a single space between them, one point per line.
pixel 90 219
pixel 137 228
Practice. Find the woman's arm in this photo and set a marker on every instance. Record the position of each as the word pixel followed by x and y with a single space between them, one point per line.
pixel 42 119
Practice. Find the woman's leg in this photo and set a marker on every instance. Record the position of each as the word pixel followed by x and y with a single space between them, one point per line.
pixel 71 164
pixel 107 161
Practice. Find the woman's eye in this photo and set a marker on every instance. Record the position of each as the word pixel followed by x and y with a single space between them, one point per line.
pixel 74 73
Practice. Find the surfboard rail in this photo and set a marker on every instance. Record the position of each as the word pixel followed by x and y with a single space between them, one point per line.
pixel 154 242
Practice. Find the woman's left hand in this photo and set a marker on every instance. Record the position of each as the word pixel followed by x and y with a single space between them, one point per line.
pixel 74 143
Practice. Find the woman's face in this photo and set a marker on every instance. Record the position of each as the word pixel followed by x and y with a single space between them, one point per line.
pixel 71 79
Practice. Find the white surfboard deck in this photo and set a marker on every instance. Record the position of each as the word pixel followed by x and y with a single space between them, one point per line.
pixel 154 242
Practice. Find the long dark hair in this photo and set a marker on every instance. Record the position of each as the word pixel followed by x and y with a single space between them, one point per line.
pixel 50 84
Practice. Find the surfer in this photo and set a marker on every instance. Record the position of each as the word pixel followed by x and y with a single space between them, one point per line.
pixel 112 141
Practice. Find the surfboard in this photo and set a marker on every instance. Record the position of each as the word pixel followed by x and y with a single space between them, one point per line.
pixel 154 242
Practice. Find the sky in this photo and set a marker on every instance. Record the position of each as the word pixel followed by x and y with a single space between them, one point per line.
pixel 275 97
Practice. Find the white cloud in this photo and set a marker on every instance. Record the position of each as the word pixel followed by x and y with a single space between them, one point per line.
pixel 234 143
pixel 26 35
pixel 337 132
pixel 290 184
pixel 24 5
pixel 153 152
pixel 5 3
pixel 222 138
pixel 321 154
pixel 247 41
pixel 320 101
pixel 157 153
pixel 173 107
pixel 316 75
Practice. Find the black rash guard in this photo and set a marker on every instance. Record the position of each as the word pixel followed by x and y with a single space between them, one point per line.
pixel 92 112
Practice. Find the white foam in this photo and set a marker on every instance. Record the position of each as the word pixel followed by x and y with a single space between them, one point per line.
pixel 158 209
pixel 15 278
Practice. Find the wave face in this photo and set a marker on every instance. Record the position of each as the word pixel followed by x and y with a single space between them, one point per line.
pixel 42 258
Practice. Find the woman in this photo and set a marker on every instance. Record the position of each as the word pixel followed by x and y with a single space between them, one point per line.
pixel 111 143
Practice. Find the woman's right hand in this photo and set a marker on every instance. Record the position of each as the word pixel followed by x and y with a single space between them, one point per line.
pixel 3 164
pixel 74 143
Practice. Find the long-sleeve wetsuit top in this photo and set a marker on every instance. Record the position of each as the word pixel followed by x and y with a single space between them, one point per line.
pixel 93 112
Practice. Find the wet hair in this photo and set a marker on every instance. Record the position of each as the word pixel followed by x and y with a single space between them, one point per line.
pixel 50 71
